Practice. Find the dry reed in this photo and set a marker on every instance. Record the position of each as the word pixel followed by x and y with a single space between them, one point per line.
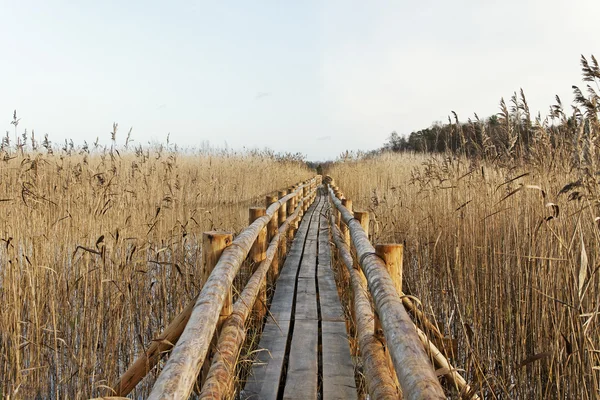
pixel 100 251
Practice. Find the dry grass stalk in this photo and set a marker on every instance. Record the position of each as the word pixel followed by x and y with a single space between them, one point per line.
pixel 74 320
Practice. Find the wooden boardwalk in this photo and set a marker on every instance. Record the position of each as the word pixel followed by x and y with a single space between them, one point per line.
pixel 304 351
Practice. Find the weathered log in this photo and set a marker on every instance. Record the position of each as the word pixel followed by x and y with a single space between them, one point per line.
pixel 177 379
pixel 414 371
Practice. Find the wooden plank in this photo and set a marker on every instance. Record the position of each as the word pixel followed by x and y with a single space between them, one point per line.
pixel 338 370
pixel 292 263
pixel 306 300
pixel 263 382
pixel 283 300
pixel 324 267
pixel 309 260
pixel 301 381
pixel 331 308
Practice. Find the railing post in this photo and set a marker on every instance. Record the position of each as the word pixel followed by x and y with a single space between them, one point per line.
pixel 291 210
pixel 213 244
pixel 257 254
pixel 363 218
pixel 391 254
pixel 290 202
pixel 282 216
pixel 271 232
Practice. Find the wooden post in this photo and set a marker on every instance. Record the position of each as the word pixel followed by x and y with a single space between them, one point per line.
pixel 304 194
pixel 213 244
pixel 257 254
pixel 271 232
pixel 282 212
pixel 391 254
pixel 290 205
pixel 363 218
pixel 282 217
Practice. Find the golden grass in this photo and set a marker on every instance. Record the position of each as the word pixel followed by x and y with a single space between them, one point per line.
pixel 99 252
pixel 499 267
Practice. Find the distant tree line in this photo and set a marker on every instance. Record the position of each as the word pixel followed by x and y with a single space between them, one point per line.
pixel 515 134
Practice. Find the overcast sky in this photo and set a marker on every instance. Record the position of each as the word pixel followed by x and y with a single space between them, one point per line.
pixel 316 77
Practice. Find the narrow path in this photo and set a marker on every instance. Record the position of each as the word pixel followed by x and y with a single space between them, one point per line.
pixel 305 352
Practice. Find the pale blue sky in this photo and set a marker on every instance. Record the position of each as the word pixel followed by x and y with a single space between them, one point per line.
pixel 317 77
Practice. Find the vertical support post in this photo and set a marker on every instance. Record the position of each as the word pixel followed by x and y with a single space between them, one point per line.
pixel 363 218
pixel 294 204
pixel 257 255
pixel 282 217
pixel 213 244
pixel 290 206
pixel 271 232
pixel 304 194
pixel 392 255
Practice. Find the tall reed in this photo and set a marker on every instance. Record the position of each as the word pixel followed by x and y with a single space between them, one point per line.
pixel 101 249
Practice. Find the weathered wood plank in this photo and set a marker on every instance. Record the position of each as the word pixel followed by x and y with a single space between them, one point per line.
pixel 306 300
pixel 309 260
pixel 263 383
pixel 283 300
pixel 338 370
pixel 302 373
pixel 331 308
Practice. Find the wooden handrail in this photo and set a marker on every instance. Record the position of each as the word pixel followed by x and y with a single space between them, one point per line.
pixel 219 382
pixel 380 383
pixel 164 342
pixel 414 371
pixel 371 351
pixel 177 379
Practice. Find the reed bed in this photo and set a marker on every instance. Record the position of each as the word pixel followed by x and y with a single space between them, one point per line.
pixel 99 251
pixel 505 259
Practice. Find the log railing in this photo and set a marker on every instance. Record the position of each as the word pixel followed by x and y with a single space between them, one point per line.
pixel 411 354
pixel 190 334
